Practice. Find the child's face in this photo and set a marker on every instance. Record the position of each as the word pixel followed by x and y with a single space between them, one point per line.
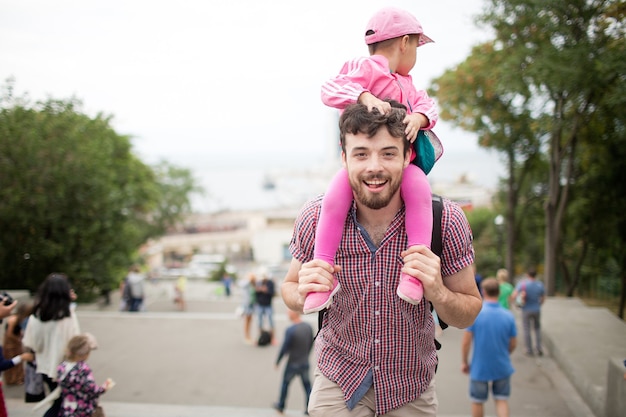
pixel 409 57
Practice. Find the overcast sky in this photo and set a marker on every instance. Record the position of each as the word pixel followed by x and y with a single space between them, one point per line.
pixel 202 82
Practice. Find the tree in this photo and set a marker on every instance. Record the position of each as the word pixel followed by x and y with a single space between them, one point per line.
pixel 545 65
pixel 74 198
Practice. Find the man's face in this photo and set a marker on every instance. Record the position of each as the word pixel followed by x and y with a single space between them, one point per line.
pixel 375 167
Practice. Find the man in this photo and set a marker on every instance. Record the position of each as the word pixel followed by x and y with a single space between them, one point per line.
pixel 533 293
pixel 376 352
pixel 297 345
pixel 494 338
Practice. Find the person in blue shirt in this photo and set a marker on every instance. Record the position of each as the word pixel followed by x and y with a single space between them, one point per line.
pixel 494 337
pixel 533 294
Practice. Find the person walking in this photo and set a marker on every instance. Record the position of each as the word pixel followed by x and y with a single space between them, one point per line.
pixel 506 289
pixel 12 342
pixel 51 325
pixel 264 296
pixel 80 393
pixel 297 346
pixel 392 36
pixel 375 352
pixel 492 338
pixel 248 305
pixel 532 292
pixel 135 282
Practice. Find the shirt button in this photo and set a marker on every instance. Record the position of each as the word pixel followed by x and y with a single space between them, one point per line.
pixel 377 341
pixel 376 368
pixel 377 313
pixel 377 283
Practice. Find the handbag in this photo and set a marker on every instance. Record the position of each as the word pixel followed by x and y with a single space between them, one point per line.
pixel 47 402
pixel 520 300
pixel 98 412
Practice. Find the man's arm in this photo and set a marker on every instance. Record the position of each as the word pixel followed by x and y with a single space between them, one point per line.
pixel 512 344
pixel 455 297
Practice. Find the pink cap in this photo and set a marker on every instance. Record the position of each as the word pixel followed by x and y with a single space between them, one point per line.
pixel 390 22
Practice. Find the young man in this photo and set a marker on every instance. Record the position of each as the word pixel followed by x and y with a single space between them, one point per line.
pixel 376 352
pixel 493 335
pixel 297 347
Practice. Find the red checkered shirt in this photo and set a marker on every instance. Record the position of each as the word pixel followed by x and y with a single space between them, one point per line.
pixel 368 327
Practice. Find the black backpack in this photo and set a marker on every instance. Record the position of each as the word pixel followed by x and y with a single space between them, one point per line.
pixel 436 246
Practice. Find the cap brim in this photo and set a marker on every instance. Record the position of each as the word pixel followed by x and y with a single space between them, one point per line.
pixel 424 39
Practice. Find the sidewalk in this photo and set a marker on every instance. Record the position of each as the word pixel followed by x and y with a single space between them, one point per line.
pixel 186 364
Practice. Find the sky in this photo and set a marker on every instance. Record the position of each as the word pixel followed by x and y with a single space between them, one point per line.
pixel 223 86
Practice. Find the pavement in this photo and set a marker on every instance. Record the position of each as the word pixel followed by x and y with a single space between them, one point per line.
pixel 170 363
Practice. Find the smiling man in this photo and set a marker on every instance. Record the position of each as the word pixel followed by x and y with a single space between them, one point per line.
pixel 376 353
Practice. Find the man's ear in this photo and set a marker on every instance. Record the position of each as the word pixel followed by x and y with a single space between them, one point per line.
pixel 407 157
pixel 343 160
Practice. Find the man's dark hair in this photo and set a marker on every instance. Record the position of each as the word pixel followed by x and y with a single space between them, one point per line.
pixel 356 118
pixel 532 273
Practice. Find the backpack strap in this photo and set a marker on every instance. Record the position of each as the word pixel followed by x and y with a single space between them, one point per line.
pixel 436 246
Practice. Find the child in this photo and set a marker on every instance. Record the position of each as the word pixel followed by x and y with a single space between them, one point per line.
pixel 8 364
pixel 78 387
pixel 393 36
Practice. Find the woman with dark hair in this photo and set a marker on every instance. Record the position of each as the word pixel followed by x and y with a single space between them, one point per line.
pixel 51 325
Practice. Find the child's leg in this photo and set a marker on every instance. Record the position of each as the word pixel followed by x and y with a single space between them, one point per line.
pixel 418 223
pixel 335 207
pixel 418 201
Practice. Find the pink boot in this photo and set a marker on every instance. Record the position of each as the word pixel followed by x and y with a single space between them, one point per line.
pixel 410 289
pixel 316 301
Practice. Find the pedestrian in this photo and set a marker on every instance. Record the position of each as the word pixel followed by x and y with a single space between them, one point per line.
pixel 179 292
pixel 6 364
pixel 51 325
pixel 375 352
pixel 227 280
pixel 264 296
pixel 135 282
pixel 393 36
pixel 297 346
pixel 506 288
pixel 248 305
pixel 79 391
pixel 12 342
pixel 532 292
pixel 492 338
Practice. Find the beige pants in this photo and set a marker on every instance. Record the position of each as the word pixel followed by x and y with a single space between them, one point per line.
pixel 327 400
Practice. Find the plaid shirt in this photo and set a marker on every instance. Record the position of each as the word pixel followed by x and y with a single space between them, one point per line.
pixel 368 327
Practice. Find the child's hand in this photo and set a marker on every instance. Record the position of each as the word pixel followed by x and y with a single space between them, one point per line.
pixel 414 122
pixel 108 384
pixel 372 102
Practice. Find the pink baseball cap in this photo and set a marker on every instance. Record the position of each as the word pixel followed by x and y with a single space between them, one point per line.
pixel 391 22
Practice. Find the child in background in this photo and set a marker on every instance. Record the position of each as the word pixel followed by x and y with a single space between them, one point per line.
pixel 392 36
pixel 8 364
pixel 12 343
pixel 79 390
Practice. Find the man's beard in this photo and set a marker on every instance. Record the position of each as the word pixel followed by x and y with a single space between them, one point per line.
pixel 375 201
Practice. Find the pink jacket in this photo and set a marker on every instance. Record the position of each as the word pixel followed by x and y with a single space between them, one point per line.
pixel 372 74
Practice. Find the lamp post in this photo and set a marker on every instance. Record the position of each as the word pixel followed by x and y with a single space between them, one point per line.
pixel 499 222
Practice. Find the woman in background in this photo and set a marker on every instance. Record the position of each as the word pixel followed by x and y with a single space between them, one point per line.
pixel 50 327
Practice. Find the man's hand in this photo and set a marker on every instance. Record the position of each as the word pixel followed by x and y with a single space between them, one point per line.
pixel 316 276
pixel 414 122
pixel 421 263
pixel 372 102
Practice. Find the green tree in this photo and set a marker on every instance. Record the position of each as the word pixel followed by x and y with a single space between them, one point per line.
pixel 74 198
pixel 547 70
